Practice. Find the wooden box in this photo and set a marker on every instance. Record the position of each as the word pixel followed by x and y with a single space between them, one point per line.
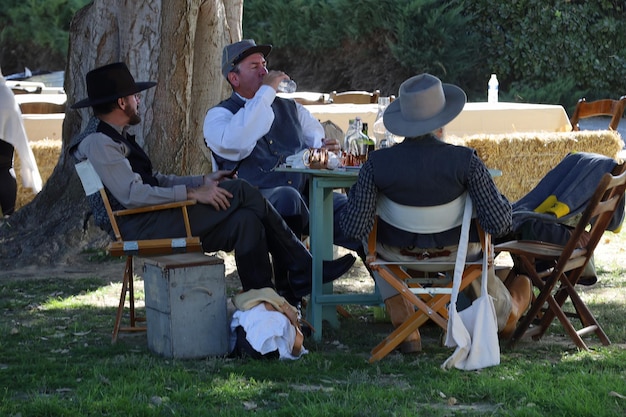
pixel 186 305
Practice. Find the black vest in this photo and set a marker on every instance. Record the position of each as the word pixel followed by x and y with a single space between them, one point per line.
pixel 421 172
pixel 284 138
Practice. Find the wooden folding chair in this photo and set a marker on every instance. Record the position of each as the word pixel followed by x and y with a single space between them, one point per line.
pixel 606 107
pixel 355 97
pixel 121 247
pixel 563 265
pixel 429 295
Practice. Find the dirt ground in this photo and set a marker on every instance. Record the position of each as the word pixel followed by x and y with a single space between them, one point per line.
pixel 356 280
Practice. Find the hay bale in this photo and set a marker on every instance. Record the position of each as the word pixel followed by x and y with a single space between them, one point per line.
pixel 525 158
pixel 47 154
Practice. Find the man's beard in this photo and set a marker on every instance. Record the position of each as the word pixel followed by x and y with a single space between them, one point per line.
pixel 133 117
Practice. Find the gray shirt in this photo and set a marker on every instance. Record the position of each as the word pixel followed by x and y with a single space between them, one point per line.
pixel 108 158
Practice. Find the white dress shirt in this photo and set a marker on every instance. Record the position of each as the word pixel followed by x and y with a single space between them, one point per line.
pixel 234 136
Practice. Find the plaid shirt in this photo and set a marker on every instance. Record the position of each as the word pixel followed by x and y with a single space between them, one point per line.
pixel 492 208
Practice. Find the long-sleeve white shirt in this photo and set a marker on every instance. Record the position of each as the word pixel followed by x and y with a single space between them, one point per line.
pixel 12 131
pixel 234 136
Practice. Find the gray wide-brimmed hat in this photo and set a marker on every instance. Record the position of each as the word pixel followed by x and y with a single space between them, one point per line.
pixel 236 52
pixel 110 82
pixel 423 105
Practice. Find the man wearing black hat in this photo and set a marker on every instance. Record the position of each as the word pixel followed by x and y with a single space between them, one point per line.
pixel 230 214
pixel 256 131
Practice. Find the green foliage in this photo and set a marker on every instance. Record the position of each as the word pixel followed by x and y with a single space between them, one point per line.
pixel 434 37
pixel 411 35
pixel 548 51
pixel 543 44
pixel 35 28
pixel 560 90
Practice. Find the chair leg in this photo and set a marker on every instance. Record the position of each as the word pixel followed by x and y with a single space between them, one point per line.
pixel 587 319
pixel 430 308
pixel 127 290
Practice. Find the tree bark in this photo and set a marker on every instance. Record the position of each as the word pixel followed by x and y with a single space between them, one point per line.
pixel 176 43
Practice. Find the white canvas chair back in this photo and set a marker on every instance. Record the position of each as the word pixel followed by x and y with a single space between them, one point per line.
pixel 88 177
pixel 422 219
pixel 426 220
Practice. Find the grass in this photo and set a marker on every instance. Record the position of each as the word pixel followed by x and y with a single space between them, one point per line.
pixel 56 359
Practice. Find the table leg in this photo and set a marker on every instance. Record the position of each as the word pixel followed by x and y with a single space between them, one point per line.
pixel 321 235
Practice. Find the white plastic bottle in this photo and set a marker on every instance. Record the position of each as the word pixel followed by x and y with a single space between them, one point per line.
pixel 492 91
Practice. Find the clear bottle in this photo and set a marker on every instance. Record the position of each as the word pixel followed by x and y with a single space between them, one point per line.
pixel 378 130
pixel 358 142
pixel 387 141
pixel 349 132
pixel 492 90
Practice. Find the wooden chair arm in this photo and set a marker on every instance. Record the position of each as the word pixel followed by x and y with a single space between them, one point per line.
pixel 156 207
pixel 155 246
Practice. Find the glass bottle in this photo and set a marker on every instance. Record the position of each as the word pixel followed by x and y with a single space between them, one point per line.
pixel 349 132
pixel 358 142
pixel 378 130
pixel 371 142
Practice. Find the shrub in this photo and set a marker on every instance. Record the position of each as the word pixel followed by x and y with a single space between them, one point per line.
pixel 542 50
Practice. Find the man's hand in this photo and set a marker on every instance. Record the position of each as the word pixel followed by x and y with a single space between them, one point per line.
pixel 211 193
pixel 331 145
pixel 219 176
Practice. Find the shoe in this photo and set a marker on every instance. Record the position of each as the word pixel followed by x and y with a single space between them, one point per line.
pixel 300 281
pixel 400 310
pixel 521 291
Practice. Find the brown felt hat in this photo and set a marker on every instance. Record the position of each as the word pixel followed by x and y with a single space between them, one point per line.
pixel 424 104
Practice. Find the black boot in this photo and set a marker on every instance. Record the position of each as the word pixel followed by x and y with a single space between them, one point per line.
pixel 301 283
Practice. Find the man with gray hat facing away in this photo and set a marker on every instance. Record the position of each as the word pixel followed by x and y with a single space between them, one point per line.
pixel 255 131
pixel 229 215
pixel 428 172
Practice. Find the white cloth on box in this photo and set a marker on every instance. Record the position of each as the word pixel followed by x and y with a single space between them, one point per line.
pixel 266 331
pixel 12 131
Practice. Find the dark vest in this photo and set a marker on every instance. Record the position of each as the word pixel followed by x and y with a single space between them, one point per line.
pixel 421 172
pixel 284 138
pixel 139 162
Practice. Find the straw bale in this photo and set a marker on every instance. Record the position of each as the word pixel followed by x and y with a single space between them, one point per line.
pixel 47 152
pixel 525 158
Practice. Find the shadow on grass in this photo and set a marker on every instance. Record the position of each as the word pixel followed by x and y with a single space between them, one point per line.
pixel 56 352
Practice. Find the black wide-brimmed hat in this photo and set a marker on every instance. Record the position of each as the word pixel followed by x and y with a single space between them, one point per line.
pixel 110 82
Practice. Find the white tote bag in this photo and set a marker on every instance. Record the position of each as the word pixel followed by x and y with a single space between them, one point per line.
pixel 473 331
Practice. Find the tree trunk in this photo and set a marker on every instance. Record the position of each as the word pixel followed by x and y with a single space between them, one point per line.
pixel 176 43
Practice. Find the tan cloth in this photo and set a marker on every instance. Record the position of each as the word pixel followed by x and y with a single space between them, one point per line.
pixel 246 300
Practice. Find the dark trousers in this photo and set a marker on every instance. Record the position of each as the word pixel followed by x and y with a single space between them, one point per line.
pixel 291 204
pixel 250 227
pixel 8 184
